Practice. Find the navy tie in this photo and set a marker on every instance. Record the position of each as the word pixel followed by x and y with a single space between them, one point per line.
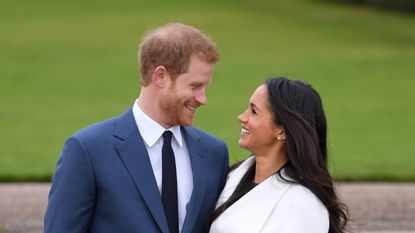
pixel 169 184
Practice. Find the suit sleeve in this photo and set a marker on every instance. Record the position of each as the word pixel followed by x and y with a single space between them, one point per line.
pixel 225 166
pixel 72 194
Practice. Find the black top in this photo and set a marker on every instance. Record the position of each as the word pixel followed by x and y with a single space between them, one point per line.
pixel 245 185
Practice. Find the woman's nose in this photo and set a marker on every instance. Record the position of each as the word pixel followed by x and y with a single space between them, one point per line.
pixel 242 117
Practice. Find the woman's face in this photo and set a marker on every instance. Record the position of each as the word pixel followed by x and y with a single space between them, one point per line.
pixel 259 133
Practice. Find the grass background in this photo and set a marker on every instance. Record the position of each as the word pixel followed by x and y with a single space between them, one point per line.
pixel 65 65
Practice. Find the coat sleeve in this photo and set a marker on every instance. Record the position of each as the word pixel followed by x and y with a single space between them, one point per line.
pixel 72 195
pixel 307 214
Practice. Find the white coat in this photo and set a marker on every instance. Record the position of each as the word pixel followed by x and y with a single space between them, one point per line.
pixel 273 206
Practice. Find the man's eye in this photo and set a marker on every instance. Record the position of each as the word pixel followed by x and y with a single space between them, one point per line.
pixel 194 86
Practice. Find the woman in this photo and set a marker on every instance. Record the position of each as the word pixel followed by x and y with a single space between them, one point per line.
pixel 285 186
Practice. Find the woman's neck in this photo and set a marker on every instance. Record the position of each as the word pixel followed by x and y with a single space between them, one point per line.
pixel 267 165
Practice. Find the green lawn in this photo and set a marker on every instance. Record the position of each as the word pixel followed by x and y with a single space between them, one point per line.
pixel 66 65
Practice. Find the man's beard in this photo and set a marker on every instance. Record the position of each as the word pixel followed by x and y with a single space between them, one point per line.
pixel 174 111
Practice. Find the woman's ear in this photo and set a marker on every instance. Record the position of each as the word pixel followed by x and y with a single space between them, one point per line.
pixel 159 76
pixel 280 134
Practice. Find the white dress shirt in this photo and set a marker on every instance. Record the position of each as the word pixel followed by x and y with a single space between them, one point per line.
pixel 151 132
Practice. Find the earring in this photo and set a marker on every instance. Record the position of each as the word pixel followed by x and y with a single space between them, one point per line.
pixel 278 138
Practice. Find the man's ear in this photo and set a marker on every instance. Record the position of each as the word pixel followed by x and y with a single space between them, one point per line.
pixel 159 76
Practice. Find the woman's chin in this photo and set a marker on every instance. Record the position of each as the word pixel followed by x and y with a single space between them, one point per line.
pixel 242 144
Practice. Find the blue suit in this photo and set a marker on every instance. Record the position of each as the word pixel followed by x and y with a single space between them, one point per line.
pixel 104 181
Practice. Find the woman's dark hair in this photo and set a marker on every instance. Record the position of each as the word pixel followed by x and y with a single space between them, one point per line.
pixel 297 107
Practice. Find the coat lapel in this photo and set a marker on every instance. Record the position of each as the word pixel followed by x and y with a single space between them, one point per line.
pixel 233 180
pixel 134 155
pixel 199 177
pixel 250 213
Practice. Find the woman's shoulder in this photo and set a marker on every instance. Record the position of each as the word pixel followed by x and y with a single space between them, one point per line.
pixel 303 198
pixel 301 192
pixel 297 194
pixel 302 210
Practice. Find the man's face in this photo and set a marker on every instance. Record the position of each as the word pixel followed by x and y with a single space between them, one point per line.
pixel 182 96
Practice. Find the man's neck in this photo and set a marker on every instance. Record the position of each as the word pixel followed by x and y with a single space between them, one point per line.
pixel 148 104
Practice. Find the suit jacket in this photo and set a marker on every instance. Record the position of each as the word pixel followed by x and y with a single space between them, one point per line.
pixel 273 206
pixel 104 181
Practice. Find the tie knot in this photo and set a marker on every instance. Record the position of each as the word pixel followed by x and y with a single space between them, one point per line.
pixel 167 137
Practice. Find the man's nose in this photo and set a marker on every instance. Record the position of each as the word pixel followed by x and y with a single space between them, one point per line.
pixel 201 97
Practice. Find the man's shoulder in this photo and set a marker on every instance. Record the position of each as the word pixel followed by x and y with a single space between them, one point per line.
pixel 105 127
pixel 98 128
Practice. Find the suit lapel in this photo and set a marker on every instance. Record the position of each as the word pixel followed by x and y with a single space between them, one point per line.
pixel 199 177
pixel 133 153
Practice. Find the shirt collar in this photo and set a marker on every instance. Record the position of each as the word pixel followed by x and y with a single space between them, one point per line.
pixel 150 130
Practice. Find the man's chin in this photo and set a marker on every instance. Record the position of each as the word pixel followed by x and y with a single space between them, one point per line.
pixel 186 121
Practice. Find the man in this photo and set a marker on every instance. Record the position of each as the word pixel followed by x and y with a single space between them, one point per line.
pixel 127 174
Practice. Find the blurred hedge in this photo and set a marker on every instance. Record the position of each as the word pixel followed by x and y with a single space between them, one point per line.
pixel 402 5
